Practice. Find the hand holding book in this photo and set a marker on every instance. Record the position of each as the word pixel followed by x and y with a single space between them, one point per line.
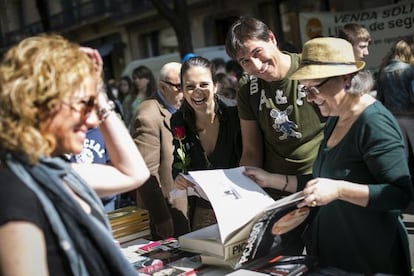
pixel 271 180
pixel 247 217
pixel 182 182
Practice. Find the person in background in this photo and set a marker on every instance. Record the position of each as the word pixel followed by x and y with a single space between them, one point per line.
pixel 112 88
pixel 234 71
pixel 360 181
pixel 360 39
pixel 113 93
pixel 51 218
pixel 281 131
pixel 124 88
pixel 94 151
pixel 187 57
pixel 219 64
pixel 151 131
pixel 395 85
pixel 144 86
pixel 358 36
pixel 206 131
pixel 225 89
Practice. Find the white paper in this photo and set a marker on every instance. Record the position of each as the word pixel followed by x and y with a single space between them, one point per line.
pixel 235 198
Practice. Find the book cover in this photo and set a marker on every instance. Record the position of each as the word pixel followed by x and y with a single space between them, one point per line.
pixel 147 265
pixel 166 250
pixel 286 270
pixel 247 217
pixel 288 265
pixel 186 266
pixel 266 235
pixel 187 263
pixel 142 264
pixel 162 257
pixel 173 271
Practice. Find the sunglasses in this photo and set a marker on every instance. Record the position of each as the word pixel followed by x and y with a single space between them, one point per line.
pixel 176 85
pixel 315 88
pixel 84 106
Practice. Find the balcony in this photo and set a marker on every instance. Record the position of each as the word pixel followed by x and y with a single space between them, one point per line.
pixel 93 10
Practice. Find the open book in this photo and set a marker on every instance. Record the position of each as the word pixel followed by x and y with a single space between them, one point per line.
pixel 246 216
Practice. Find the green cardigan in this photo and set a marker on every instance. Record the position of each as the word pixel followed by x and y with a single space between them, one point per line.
pixel 372 239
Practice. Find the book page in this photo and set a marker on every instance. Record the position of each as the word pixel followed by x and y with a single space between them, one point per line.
pixel 207 233
pixel 235 198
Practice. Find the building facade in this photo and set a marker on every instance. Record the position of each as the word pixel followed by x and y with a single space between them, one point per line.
pixel 125 30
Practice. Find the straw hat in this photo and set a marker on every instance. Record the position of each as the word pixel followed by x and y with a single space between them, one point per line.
pixel 325 57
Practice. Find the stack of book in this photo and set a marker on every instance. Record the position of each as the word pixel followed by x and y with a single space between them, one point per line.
pixel 250 224
pixel 129 223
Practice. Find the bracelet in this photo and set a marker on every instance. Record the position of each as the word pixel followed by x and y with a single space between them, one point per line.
pixel 286 184
pixel 104 112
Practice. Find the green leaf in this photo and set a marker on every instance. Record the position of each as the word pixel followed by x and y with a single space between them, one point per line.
pixel 187 160
pixel 178 166
pixel 181 154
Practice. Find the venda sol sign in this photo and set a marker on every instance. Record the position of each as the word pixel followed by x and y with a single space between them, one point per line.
pixel 386 24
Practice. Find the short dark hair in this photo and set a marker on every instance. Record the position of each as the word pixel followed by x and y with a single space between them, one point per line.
pixel 243 29
pixel 354 33
pixel 199 61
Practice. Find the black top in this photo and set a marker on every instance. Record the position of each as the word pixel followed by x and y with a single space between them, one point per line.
pixel 19 203
pixel 227 151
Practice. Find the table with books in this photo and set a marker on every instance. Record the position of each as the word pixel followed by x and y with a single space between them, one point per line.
pixel 248 233
pixel 164 257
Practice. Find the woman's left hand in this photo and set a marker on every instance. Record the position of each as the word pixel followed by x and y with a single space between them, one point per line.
pixel 96 58
pixel 258 175
pixel 321 191
pixel 181 183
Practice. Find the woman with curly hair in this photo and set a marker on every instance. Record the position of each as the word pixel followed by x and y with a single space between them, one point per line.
pixel 51 221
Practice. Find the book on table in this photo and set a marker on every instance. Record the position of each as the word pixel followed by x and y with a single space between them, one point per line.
pixel 249 222
pixel 280 266
pixel 161 257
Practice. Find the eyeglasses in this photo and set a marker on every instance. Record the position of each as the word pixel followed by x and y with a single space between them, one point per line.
pixel 84 106
pixel 314 89
pixel 176 85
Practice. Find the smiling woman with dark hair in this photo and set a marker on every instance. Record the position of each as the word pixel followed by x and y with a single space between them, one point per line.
pixel 205 130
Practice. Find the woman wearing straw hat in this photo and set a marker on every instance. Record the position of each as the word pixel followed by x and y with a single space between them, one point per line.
pixel 360 180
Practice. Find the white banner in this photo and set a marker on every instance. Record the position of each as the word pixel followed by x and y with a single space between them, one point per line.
pixel 386 24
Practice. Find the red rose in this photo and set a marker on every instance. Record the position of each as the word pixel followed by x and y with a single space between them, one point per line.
pixel 179 132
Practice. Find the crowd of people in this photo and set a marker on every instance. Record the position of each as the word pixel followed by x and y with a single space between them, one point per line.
pixel 309 121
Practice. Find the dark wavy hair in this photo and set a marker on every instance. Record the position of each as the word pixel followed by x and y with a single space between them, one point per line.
pixel 245 28
pixel 143 72
pixel 188 111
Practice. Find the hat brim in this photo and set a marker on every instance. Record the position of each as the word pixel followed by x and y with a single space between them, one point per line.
pixel 317 71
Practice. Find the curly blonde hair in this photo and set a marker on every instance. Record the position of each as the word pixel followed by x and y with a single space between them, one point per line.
pixel 36 75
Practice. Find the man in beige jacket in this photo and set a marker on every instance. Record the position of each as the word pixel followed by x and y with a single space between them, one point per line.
pixel 152 134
